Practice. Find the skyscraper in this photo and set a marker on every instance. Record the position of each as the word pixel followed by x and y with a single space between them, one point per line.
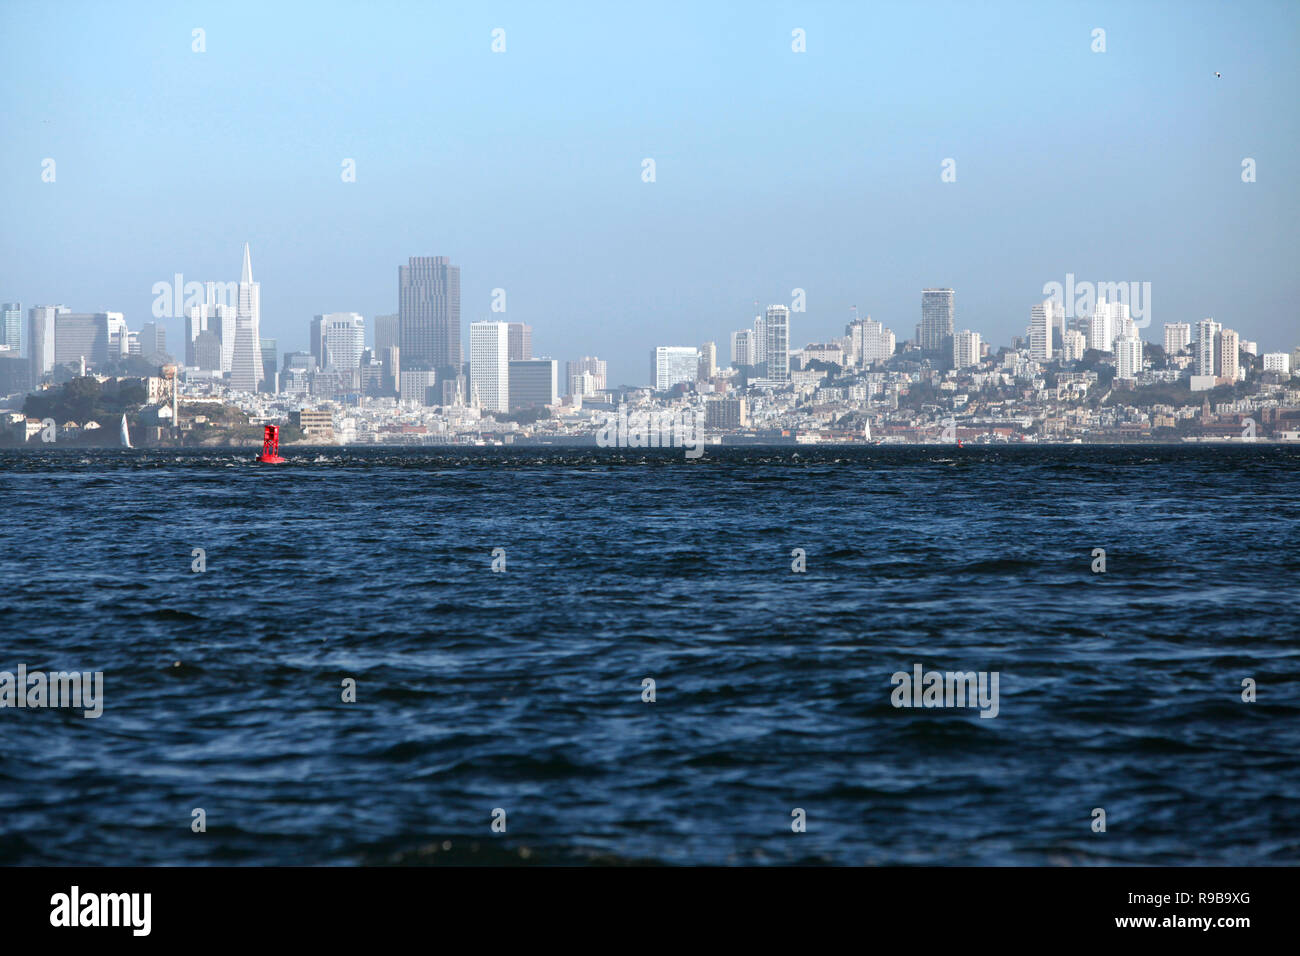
pixel 938 313
pixel 869 341
pixel 489 365
pixel 342 340
pixel 11 327
pixel 759 340
pixel 428 295
pixel 1128 357
pixel 246 361
pixel 673 364
pixel 708 361
pixel 966 349
pixel 778 343
pixel 590 365
pixel 1207 333
pixel 1044 318
pixel 533 382
pixel 1178 335
pixel 87 335
pixel 521 342
pixel 1229 356
pixel 742 348
pixel 40 339
pixel 387 334
pixel 270 374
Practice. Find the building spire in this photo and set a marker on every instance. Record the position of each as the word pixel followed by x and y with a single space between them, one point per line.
pixel 246 276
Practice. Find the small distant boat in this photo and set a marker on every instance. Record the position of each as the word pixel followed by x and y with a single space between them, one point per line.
pixel 126 433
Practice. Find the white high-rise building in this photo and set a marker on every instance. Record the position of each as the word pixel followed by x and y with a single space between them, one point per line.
pixel 1279 362
pixel 1110 321
pixel 246 372
pixel 869 341
pixel 40 338
pixel 965 349
pixel 1178 335
pixel 760 339
pixel 1229 356
pixel 673 364
pixel 590 365
pixel 778 343
pixel 708 361
pixel 1073 345
pixel 1128 357
pixel 343 339
pixel 742 348
pixel 1207 333
pixel 489 365
pixel 1044 318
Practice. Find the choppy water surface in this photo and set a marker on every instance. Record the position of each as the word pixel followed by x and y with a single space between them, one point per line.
pixel 522 690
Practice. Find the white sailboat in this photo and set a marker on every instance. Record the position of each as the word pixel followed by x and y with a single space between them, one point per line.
pixel 126 433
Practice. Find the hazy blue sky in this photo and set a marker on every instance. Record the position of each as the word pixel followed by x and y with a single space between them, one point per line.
pixel 775 170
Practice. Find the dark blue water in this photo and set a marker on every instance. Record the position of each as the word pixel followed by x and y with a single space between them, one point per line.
pixel 521 690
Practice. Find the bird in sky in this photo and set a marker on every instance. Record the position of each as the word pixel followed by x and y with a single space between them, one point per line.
pixel 1218 74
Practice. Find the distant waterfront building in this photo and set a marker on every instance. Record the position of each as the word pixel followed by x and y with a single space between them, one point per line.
pixel 11 328
pixel 708 361
pixel 1229 356
pixel 1128 357
pixel 778 343
pixel 742 348
pixel 387 334
pixel 246 362
pixel 87 335
pixel 1073 345
pixel 40 339
pixel 521 342
pixel 870 342
pixel 760 339
pixel 428 295
pixel 205 352
pixel 938 317
pixel 1178 335
pixel 1110 321
pixel 965 349
pixel 1207 333
pixel 342 340
pixel 153 340
pixel 533 383
pixel 489 365
pixel 595 367
pixel 726 413
pixel 270 374
pixel 418 385
pixel 1279 362
pixel 672 364
pixel 1044 318
pixel 318 425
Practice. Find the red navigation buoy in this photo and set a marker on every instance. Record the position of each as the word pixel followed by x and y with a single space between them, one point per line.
pixel 271 446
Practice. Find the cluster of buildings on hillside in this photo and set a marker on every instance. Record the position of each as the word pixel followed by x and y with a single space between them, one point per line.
pixel 1077 374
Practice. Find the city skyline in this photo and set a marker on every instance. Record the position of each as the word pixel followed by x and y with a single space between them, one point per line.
pixel 846 144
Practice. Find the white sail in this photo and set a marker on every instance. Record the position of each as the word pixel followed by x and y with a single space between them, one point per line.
pixel 126 434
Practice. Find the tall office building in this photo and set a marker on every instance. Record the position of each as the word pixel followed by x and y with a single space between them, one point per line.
pixel 1128 357
pixel 270 372
pixel 342 340
pixel 589 365
pixel 742 348
pixel 533 383
pixel 1207 333
pixel 246 361
pixel 428 296
pixel 489 365
pixel 1044 319
pixel 1110 321
pixel 11 328
pixel 217 318
pixel 1073 345
pixel 521 342
pixel 673 364
pixel 938 313
pixel 40 339
pixel 778 343
pixel 760 339
pixel 965 349
pixel 708 361
pixel 1178 335
pixel 153 340
pixel 387 334
pixel 88 335
pixel 1229 356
